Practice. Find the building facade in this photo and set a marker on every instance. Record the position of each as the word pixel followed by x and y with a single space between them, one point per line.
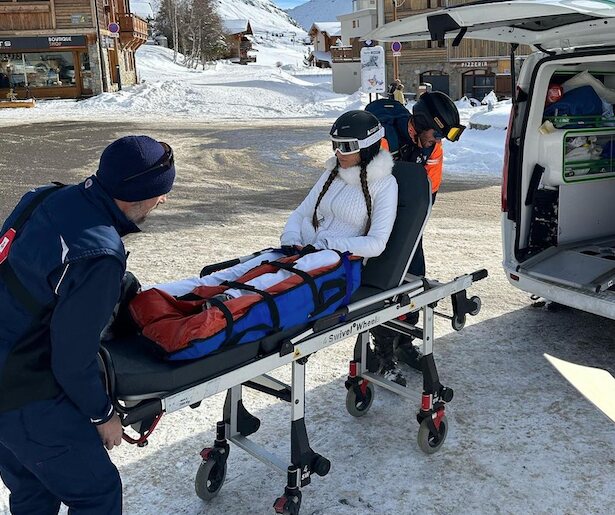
pixel 238 38
pixel 472 69
pixel 324 36
pixel 67 48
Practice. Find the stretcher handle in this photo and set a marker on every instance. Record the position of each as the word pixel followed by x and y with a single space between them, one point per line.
pixel 210 269
pixel 142 410
pixel 479 275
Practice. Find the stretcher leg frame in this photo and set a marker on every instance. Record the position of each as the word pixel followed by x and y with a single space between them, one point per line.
pixel 356 319
pixel 431 416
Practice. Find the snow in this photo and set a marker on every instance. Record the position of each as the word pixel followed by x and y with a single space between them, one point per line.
pixel 497 117
pixel 264 16
pixel 318 11
pixel 235 26
pixel 278 86
pixel 142 8
pixel 521 439
pixel 332 28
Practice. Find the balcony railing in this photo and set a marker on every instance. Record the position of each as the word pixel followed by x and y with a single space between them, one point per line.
pixel 25 16
pixel 133 30
pixel 132 23
pixel 359 5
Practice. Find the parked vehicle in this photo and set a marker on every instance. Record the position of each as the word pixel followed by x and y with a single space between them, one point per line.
pixel 558 212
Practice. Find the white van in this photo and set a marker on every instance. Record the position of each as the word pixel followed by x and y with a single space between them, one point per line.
pixel 558 191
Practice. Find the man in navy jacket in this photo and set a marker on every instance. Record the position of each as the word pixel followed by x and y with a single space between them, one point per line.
pixel 61 265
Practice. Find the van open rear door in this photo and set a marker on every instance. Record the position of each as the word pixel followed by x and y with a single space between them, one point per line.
pixel 547 24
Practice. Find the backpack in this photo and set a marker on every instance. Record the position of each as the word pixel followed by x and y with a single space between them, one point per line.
pixel 393 116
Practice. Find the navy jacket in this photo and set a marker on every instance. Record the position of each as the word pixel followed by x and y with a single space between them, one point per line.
pixel 69 255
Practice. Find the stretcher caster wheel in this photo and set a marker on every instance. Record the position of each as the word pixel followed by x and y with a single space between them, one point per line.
pixel 429 442
pixel 477 305
pixel 358 404
pixel 458 322
pixel 288 504
pixel 209 479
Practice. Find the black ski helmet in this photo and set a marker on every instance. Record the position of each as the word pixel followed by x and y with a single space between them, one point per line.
pixel 358 130
pixel 435 110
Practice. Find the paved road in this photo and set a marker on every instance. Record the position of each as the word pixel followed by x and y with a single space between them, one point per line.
pixel 287 156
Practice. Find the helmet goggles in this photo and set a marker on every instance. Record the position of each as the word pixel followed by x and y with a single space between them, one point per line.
pixel 347 146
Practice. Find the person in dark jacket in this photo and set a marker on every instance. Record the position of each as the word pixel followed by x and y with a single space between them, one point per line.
pixel 433 116
pixel 61 266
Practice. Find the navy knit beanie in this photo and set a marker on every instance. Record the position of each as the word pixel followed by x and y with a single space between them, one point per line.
pixel 121 164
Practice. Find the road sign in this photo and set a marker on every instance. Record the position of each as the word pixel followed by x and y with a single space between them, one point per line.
pixel 114 27
pixel 396 48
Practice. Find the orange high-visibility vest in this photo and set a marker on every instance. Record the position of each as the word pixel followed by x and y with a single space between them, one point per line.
pixel 433 166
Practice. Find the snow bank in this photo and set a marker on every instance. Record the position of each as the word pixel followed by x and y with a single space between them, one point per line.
pixel 496 118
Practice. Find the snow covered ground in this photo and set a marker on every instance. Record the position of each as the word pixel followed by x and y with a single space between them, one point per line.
pixel 521 439
pixel 279 86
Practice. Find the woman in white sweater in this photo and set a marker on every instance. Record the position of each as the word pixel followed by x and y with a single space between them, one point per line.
pixel 351 208
pixel 353 205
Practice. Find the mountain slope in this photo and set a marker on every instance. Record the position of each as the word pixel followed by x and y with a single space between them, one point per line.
pixel 264 15
pixel 319 10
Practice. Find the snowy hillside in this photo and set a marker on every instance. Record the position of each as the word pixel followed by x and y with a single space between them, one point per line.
pixel 264 15
pixel 319 10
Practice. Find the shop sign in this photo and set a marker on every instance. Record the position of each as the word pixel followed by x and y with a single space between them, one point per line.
pixel 78 19
pixel 474 64
pixel 41 42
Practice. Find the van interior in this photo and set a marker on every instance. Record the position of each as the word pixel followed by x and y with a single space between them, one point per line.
pixel 566 229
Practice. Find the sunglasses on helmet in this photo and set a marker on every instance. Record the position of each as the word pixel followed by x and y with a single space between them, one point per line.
pixel 346 146
pixel 164 163
pixel 454 133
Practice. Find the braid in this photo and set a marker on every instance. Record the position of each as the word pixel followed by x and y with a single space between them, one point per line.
pixel 325 187
pixel 368 197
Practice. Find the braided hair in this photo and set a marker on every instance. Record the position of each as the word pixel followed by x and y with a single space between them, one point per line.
pixel 368 197
pixel 325 187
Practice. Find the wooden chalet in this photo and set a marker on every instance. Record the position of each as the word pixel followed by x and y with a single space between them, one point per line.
pixel 324 36
pixel 238 38
pixel 67 48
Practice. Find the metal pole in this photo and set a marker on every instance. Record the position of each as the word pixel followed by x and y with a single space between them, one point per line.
pixel 395 58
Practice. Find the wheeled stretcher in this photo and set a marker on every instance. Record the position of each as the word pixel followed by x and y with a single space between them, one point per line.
pixel 143 387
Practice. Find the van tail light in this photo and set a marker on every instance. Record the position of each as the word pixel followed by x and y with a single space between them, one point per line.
pixel 506 156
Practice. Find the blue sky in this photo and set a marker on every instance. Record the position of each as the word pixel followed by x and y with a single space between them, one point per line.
pixel 289 4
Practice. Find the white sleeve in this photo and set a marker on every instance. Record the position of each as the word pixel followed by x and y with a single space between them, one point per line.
pixel 384 211
pixel 292 230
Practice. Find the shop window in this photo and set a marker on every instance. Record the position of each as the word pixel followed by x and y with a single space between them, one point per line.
pixel 37 70
pixel 478 83
pixel 86 73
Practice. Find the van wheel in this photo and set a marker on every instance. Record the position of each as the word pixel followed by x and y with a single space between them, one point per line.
pixel 458 322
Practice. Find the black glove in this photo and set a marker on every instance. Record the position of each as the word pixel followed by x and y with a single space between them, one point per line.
pixel 308 249
pixel 288 250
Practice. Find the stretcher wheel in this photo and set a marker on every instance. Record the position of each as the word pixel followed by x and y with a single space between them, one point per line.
pixel 429 442
pixel 209 479
pixel 357 404
pixel 458 322
pixel 477 303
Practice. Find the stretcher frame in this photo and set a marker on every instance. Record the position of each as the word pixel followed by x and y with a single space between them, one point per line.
pixel 384 308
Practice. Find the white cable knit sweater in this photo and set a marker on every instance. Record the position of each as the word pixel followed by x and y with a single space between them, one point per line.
pixel 342 212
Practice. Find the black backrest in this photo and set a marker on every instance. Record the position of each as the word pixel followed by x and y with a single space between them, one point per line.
pixel 413 207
